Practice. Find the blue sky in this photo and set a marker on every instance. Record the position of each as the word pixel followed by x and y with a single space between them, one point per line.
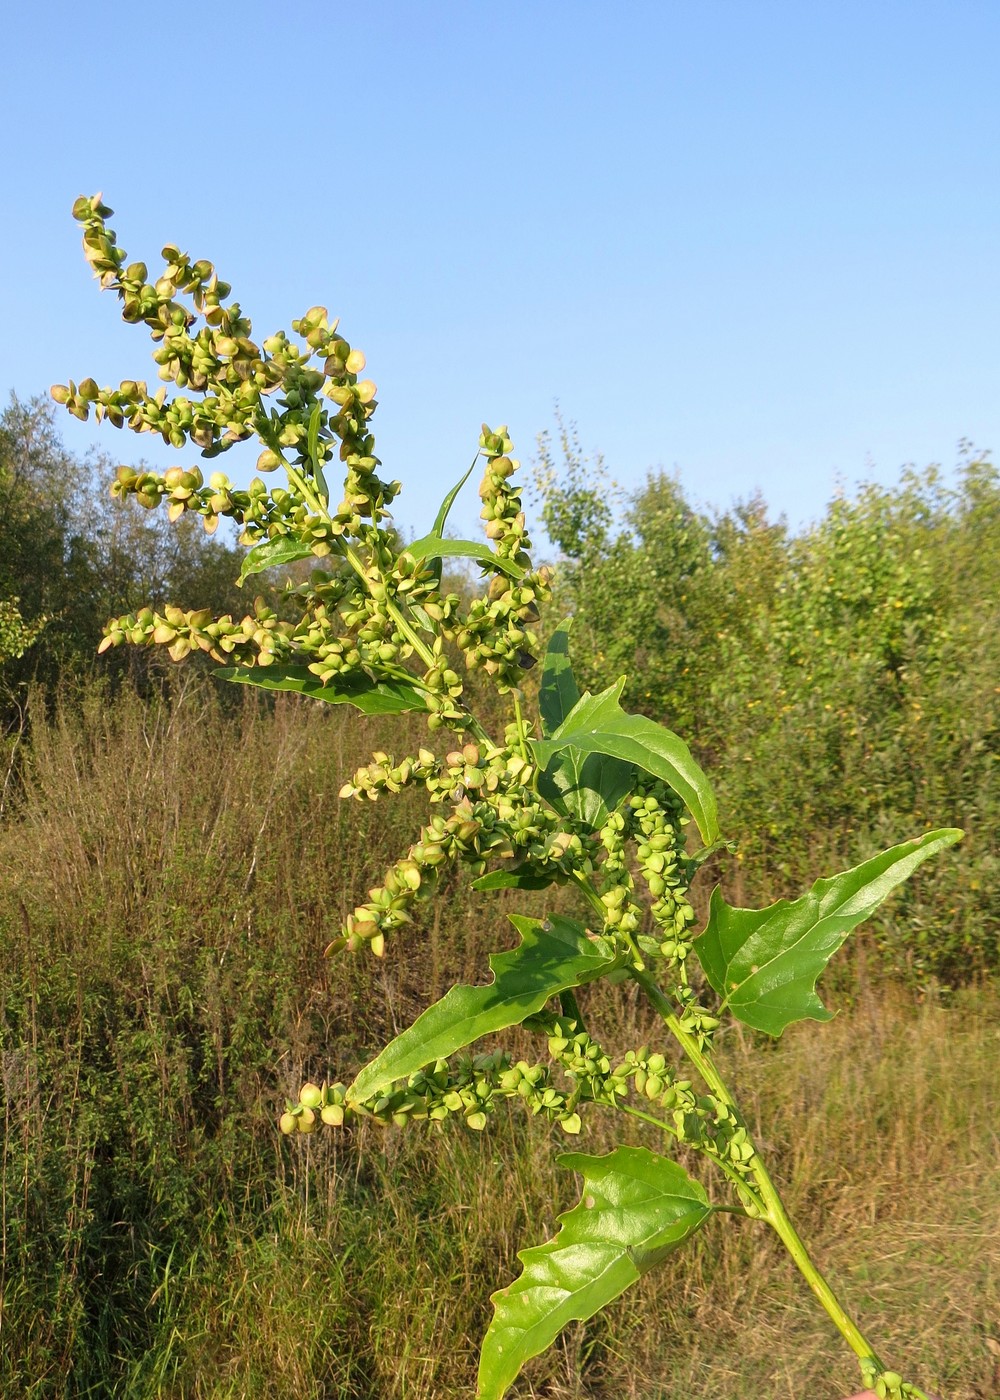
pixel 755 243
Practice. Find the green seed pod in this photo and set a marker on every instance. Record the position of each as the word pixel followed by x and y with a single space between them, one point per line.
pixel 332 1114
pixel 287 1123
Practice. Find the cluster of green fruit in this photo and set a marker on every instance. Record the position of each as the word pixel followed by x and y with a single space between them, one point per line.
pixel 466 1089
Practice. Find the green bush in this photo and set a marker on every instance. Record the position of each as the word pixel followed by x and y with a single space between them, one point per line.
pixel 841 681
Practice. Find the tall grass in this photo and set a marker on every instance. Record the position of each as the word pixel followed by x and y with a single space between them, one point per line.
pixel 168 879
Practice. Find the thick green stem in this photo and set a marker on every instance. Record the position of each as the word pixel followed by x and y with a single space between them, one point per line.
pixel 776 1215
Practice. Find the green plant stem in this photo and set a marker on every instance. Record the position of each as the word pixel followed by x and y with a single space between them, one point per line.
pixel 519 720
pixel 586 888
pixel 775 1212
pixel 671 1131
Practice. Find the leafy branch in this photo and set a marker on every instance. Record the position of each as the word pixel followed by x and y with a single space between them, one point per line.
pixel 585 795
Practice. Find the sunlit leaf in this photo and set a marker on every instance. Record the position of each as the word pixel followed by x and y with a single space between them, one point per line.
pixel 764 962
pixel 635 1209
pixel 441 519
pixel 385 697
pixel 598 725
pixel 271 554
pixel 433 547
pixel 551 956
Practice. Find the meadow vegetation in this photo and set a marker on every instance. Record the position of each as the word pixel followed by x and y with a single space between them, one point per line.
pixel 166 892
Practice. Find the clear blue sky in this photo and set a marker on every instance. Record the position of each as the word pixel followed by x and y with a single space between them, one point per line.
pixel 753 242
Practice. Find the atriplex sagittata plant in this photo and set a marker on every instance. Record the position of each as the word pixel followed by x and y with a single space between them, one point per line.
pixel 583 795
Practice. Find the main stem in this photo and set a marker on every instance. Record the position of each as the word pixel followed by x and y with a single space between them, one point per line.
pixel 776 1215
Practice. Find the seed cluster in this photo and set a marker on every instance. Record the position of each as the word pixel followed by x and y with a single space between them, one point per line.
pixel 494 813
pixel 307 405
pixel 467 1088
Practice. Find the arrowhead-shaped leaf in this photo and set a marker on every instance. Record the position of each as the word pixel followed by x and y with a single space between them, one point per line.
pixel 433 547
pixel 270 554
pixel 386 697
pixel 636 1208
pixel 597 724
pixel 551 956
pixel 764 962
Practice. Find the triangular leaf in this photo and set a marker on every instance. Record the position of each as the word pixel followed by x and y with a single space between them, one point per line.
pixel 587 786
pixel 636 1208
pixel 433 547
pixel 385 697
pixel 764 962
pixel 270 554
pixel 598 724
pixel 559 691
pixel 551 956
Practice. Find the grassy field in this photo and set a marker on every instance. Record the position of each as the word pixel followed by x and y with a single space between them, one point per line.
pixel 168 880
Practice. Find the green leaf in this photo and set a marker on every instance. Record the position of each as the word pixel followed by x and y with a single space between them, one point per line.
pixel 587 786
pixel 385 697
pixel 270 554
pixel 764 962
pixel 522 878
pixel 437 529
pixel 312 448
pixel 433 547
pixel 559 691
pixel 551 956
pixel 440 520
pixel 598 725
pixel 636 1208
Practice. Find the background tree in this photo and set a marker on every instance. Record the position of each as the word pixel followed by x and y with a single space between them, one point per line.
pixel 841 679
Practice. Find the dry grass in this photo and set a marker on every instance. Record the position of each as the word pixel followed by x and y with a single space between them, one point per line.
pixel 166 887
